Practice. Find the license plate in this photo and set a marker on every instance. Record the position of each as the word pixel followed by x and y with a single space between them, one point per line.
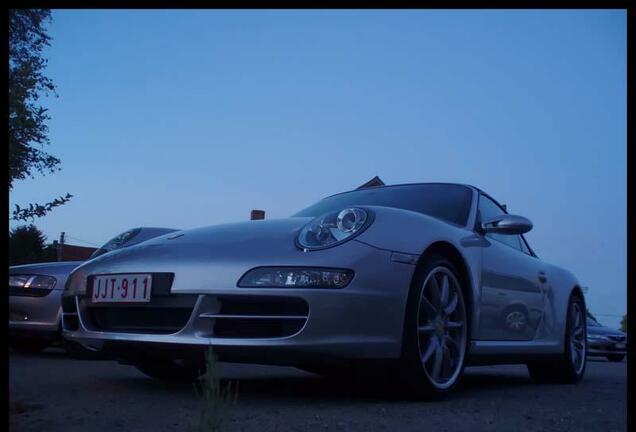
pixel 122 288
pixel 620 346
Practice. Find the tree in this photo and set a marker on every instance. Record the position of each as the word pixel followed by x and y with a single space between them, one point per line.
pixel 26 245
pixel 28 132
pixel 624 323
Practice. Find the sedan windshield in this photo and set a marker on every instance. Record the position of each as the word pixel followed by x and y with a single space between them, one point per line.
pixel 449 202
pixel 116 243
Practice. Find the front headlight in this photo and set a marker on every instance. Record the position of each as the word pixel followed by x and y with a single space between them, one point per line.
pixel 596 338
pixel 334 228
pixel 295 277
pixel 35 282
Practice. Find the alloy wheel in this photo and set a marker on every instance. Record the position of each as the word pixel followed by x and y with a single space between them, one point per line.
pixel 441 327
pixel 577 337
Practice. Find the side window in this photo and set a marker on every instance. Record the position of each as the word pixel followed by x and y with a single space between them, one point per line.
pixel 489 209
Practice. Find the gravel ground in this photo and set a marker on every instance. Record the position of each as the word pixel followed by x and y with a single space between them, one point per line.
pixel 50 392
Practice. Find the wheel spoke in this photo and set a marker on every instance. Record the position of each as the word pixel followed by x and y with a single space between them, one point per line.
pixel 452 346
pixel 577 318
pixel 430 349
pixel 428 328
pixel 447 362
pixel 430 310
pixel 437 362
pixel 435 293
pixel 577 356
pixel 454 324
pixel 444 292
pixel 452 304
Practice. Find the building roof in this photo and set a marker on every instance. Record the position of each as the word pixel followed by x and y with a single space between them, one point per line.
pixel 76 253
pixel 374 182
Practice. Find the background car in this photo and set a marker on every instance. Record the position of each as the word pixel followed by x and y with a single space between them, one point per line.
pixel 35 293
pixel 605 342
pixel 417 278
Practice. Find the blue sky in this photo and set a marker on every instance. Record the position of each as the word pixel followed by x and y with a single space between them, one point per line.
pixel 192 118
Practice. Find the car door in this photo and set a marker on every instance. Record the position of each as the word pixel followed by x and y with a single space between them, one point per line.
pixel 512 283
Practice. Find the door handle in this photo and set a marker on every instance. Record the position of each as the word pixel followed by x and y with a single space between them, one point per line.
pixel 542 277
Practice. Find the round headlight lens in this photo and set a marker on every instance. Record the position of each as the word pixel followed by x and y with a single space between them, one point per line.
pixel 333 228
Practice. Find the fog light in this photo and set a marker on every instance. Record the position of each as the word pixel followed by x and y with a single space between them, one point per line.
pixel 295 277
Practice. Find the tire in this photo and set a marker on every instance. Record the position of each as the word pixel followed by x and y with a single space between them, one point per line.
pixel 616 357
pixel 169 369
pixel 435 337
pixel 29 346
pixel 78 352
pixel 569 367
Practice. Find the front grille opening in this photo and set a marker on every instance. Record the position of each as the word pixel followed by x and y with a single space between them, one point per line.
pixel 68 305
pixel 164 314
pixel 240 305
pixel 160 320
pixel 257 328
pixel 249 317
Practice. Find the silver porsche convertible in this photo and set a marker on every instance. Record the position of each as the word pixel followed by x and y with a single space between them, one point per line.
pixel 415 281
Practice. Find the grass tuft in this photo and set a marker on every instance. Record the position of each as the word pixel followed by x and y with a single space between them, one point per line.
pixel 217 399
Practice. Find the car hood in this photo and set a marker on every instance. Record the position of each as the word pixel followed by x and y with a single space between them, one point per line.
pixel 245 239
pixel 605 331
pixel 216 257
pixel 45 268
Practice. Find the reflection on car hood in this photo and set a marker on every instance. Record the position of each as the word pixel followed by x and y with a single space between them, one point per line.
pixel 249 239
pixel 606 331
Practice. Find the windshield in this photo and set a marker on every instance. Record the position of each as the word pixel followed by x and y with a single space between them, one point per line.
pixel 449 202
pixel 591 321
pixel 116 242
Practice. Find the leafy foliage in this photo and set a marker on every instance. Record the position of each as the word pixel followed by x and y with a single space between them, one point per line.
pixel 624 323
pixel 28 132
pixel 37 210
pixel 27 246
pixel 217 400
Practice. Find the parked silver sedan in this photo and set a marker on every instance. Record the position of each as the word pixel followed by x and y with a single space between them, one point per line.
pixel 35 292
pixel 419 278
pixel 605 342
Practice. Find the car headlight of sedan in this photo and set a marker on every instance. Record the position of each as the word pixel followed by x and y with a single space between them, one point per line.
pixel 295 277
pixel 596 338
pixel 334 228
pixel 31 285
pixel 32 281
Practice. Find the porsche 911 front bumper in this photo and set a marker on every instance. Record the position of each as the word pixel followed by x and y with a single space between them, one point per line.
pixel 364 320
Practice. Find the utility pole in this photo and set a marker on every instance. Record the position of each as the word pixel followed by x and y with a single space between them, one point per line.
pixel 60 246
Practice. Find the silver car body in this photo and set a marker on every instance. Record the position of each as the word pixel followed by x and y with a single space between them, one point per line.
pixel 40 317
pixel 362 321
pixel 604 341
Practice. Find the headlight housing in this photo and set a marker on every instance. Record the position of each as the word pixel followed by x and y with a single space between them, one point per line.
pixel 597 338
pixel 31 285
pixel 334 228
pixel 295 277
pixel 32 281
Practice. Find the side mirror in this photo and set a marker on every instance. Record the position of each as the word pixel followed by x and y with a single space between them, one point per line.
pixel 507 224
